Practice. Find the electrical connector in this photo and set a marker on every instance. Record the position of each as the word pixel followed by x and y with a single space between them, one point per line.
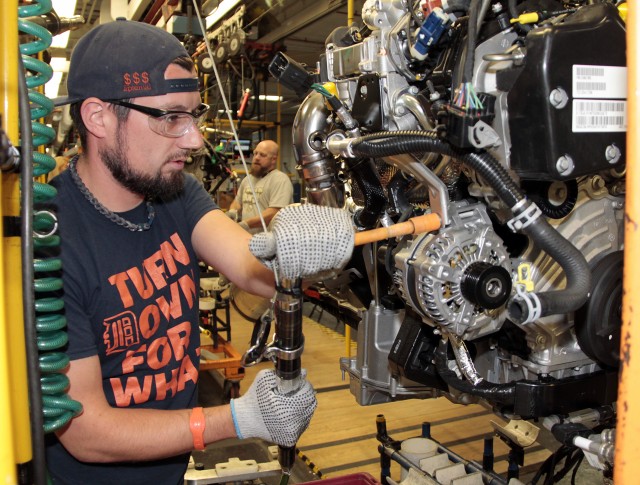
pixel 291 74
pixel 535 17
pixel 462 121
pixel 429 33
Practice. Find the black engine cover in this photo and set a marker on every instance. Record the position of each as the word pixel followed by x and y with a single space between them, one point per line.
pixel 592 123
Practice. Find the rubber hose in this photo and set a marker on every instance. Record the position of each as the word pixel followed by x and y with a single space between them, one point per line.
pixel 47 242
pixel 571 260
pixel 38 106
pixel 36 419
pixel 428 141
pixel 576 270
pixel 557 211
pixel 52 341
pixel 457 6
pixel 53 361
pixel 53 383
pixel 32 134
pixel 47 284
pixel 502 393
pixel 42 265
pixel 51 304
pixel 369 184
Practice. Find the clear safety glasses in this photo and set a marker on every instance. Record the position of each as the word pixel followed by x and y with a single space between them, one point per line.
pixel 173 124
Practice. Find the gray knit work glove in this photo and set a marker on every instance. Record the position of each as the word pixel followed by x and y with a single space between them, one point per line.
pixel 306 241
pixel 262 412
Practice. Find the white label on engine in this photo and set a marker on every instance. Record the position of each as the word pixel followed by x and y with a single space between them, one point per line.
pixel 599 115
pixel 608 82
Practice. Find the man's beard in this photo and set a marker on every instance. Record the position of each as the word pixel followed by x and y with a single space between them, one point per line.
pixel 149 186
pixel 258 171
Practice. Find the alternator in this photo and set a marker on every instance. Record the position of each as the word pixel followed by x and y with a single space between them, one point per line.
pixel 460 278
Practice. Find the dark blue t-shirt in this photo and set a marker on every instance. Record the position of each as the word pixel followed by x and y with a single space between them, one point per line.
pixel 131 298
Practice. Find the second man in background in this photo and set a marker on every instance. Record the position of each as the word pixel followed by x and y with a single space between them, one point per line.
pixel 273 189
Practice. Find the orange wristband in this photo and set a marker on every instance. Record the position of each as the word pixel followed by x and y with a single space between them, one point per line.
pixel 197 424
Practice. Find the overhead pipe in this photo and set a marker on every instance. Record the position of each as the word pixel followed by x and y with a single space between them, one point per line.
pixel 153 10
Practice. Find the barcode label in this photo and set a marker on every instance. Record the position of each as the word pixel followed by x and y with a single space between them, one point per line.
pixel 589 71
pixel 602 82
pixel 599 115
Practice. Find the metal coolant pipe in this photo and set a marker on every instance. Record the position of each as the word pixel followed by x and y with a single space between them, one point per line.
pixel 315 163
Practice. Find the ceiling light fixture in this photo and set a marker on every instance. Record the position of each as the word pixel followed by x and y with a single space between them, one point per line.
pixel 59 65
pixel 269 97
pixel 223 9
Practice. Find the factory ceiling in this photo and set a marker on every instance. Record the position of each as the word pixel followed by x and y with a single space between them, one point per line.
pixel 297 27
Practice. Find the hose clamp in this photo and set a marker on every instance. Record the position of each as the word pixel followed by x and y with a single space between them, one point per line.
pixel 54 227
pixel 276 352
pixel 532 302
pixel 524 218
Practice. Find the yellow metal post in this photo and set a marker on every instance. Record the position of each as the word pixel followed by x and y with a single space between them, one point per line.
pixel 627 464
pixel 15 435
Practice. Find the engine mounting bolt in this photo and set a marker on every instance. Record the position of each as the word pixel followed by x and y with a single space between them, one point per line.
pixel 558 98
pixel 413 89
pixel 565 165
pixel 400 110
pixel 597 182
pixel 612 154
pixel 496 7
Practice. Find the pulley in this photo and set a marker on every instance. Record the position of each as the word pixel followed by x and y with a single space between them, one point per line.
pixel 486 285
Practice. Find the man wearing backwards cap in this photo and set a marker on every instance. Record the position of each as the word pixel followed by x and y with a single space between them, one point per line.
pixel 133 227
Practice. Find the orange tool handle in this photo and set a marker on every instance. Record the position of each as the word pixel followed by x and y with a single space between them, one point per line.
pixel 243 103
pixel 415 225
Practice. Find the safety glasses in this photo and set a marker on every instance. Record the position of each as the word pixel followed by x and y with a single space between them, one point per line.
pixel 172 124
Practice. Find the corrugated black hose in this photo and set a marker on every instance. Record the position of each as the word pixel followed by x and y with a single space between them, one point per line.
pixel 366 178
pixel 571 260
pixel 502 393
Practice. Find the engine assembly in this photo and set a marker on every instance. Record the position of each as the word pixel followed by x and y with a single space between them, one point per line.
pixel 508 121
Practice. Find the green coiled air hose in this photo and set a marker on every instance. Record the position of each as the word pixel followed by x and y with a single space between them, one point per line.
pixel 57 408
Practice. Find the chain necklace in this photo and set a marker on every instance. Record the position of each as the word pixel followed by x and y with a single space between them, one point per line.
pixel 112 216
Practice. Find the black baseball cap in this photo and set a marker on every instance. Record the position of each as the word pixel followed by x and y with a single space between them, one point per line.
pixel 124 59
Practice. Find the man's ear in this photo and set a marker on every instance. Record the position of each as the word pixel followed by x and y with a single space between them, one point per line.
pixel 96 117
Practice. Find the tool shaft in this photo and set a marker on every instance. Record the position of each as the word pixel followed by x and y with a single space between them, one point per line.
pixel 415 225
pixel 288 337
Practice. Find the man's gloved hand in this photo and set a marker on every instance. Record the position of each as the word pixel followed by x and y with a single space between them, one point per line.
pixel 306 241
pixel 278 418
pixel 232 214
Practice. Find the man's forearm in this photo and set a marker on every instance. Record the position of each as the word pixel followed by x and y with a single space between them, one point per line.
pixel 267 215
pixel 121 435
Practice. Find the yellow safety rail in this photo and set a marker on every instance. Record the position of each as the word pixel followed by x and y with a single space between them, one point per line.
pixel 627 464
pixel 15 434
